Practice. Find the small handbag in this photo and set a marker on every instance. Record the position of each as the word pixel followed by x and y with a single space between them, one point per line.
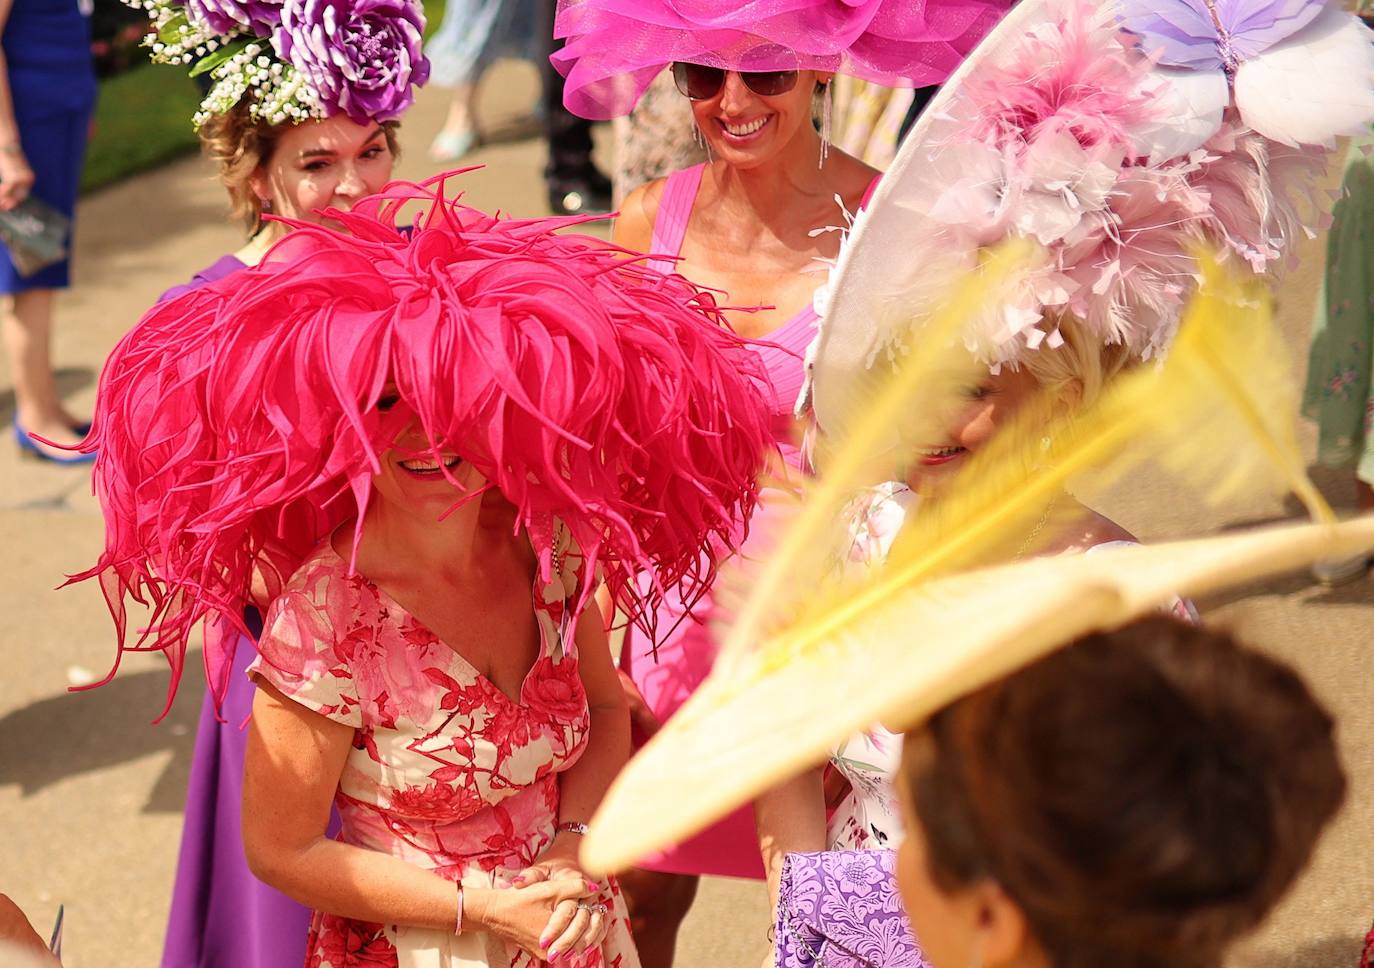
pixel 35 234
pixel 841 909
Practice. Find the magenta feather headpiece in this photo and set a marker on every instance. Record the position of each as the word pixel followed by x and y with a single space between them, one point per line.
pixel 615 48
pixel 237 425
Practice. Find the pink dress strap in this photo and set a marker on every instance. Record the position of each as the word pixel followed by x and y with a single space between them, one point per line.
pixel 674 211
pixel 868 192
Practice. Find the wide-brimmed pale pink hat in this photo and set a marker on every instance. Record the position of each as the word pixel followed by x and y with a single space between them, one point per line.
pixel 615 48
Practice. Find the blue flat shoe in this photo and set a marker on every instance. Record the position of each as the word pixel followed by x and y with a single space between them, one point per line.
pixel 28 447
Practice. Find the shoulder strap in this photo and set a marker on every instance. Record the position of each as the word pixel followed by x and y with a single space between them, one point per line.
pixel 868 192
pixel 674 209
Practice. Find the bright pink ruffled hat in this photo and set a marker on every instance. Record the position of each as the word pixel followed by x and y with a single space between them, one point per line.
pixel 237 425
pixel 615 48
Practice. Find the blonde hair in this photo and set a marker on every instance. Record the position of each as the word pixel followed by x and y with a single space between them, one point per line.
pixel 240 146
pixel 1079 367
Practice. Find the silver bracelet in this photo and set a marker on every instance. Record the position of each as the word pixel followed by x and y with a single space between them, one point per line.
pixel 571 827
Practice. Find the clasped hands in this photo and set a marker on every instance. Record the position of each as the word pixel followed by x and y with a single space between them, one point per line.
pixel 552 908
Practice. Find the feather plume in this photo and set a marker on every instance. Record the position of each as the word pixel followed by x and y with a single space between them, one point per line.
pixel 930 361
pixel 1261 194
pixel 924 647
pixel 866 649
pixel 1218 412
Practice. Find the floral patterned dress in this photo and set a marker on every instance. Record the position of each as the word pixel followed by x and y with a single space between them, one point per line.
pixel 446 772
pixel 1340 363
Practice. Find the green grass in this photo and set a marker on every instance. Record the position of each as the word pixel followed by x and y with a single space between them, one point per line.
pixel 143 119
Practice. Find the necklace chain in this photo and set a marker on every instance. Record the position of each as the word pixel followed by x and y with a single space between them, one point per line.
pixel 1035 532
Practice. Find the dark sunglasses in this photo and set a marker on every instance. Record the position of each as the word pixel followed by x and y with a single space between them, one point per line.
pixel 701 83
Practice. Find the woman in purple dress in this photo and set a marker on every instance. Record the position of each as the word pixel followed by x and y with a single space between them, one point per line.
pixel 221 914
pixel 293 165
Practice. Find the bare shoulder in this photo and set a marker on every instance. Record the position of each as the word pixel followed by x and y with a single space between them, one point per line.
pixel 852 179
pixel 634 226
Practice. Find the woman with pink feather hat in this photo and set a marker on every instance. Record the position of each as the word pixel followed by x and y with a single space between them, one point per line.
pixel 316 435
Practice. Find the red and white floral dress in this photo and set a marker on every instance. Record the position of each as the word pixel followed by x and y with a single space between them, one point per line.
pixel 446 771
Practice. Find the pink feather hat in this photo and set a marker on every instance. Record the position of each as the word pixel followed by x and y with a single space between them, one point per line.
pixel 237 425
pixel 615 48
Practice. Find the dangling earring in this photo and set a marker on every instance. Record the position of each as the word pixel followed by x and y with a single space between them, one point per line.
pixel 701 141
pixel 826 100
pixel 266 205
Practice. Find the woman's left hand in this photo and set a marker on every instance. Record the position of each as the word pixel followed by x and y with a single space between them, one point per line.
pixel 16 177
pixel 558 862
pixel 574 925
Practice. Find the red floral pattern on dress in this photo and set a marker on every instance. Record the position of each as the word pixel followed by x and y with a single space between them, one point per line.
pixel 446 771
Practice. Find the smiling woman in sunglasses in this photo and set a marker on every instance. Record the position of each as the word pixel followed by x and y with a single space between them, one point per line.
pixel 757 75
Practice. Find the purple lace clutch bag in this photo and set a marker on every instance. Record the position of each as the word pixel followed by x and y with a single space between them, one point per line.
pixel 841 909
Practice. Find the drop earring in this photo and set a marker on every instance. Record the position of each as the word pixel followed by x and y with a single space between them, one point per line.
pixel 826 103
pixel 701 141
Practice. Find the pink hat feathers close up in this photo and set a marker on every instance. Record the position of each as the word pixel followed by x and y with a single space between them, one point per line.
pixel 238 425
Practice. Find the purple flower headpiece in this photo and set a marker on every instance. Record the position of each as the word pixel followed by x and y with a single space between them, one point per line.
pixel 295 59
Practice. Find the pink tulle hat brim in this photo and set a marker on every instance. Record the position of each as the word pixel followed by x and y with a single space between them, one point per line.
pixel 615 48
pixel 237 425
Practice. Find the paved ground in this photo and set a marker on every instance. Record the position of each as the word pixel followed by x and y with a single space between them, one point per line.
pixel 90 794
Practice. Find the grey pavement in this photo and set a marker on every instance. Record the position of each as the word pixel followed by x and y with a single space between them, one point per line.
pixel 91 794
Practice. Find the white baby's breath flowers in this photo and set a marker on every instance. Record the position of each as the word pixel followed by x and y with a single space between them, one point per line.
pixel 277 92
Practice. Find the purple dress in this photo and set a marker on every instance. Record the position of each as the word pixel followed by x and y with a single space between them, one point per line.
pixel 222 916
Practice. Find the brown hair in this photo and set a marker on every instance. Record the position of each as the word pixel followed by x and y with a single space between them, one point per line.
pixel 239 146
pixel 1145 795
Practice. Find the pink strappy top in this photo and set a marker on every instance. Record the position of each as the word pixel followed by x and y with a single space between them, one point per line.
pixel 784 348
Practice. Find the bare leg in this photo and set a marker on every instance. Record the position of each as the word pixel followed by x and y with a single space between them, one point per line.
pixel 657 903
pixel 459 132
pixel 26 321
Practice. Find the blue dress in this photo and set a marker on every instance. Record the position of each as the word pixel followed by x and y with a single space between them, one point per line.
pixel 476 33
pixel 47 46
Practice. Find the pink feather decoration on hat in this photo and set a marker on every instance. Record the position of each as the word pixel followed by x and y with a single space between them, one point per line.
pixel 1061 136
pixel 237 425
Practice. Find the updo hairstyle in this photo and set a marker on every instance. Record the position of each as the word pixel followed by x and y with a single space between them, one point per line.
pixel 1145 796
pixel 1080 367
pixel 240 145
